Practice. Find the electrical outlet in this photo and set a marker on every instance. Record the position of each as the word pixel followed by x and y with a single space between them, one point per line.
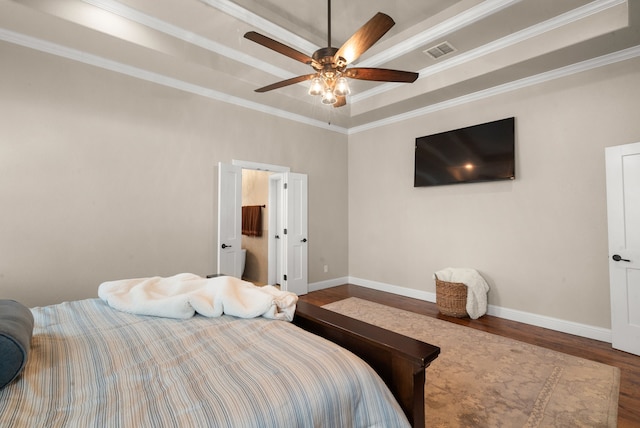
pixel 326 268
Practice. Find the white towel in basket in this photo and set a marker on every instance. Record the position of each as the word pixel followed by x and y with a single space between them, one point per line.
pixel 477 288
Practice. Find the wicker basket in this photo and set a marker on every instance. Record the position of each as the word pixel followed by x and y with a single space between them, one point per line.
pixel 451 298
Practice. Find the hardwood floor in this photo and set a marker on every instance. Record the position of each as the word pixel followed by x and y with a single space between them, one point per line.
pixel 629 401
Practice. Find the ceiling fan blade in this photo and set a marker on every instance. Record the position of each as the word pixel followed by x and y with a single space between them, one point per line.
pixel 278 47
pixel 364 38
pixel 287 82
pixel 342 100
pixel 381 75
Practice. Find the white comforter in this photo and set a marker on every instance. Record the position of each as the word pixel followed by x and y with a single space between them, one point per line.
pixel 181 296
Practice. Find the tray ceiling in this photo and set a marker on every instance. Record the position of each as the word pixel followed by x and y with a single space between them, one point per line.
pixel 198 46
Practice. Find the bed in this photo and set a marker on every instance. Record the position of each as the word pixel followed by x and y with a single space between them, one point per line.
pixel 92 365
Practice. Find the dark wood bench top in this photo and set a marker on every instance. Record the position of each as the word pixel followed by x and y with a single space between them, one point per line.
pixel 399 360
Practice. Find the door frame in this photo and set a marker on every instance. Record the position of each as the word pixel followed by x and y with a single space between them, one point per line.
pixel 260 166
pixel 272 257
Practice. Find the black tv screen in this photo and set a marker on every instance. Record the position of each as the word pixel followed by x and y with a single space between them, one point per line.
pixel 483 152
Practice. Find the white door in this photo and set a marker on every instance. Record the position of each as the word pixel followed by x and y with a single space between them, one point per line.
pixel 276 209
pixel 229 219
pixel 295 239
pixel 623 208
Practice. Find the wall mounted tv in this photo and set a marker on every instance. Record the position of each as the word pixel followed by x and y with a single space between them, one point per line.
pixel 483 152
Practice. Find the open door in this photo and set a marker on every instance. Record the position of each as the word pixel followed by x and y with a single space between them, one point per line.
pixel 623 209
pixel 276 210
pixel 288 202
pixel 295 236
pixel 229 219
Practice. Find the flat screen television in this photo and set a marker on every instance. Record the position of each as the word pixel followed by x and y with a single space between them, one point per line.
pixel 477 153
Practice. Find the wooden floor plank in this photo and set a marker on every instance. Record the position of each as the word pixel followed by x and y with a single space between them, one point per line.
pixel 629 401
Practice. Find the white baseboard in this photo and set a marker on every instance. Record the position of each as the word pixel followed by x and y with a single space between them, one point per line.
pixel 564 326
pixel 315 286
pixel 395 289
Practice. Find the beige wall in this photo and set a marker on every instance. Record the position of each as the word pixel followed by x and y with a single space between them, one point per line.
pixel 103 176
pixel 541 240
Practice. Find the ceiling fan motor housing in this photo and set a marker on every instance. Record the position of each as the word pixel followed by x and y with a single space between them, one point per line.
pixel 324 62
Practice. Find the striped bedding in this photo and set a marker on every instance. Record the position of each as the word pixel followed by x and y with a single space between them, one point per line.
pixel 93 366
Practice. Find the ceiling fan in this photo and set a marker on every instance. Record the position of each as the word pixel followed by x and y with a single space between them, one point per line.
pixel 330 63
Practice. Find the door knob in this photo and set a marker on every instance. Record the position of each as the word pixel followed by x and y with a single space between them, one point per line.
pixel 225 246
pixel 304 240
pixel 617 258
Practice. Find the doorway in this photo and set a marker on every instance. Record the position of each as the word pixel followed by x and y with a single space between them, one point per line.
pixel 287 224
pixel 255 243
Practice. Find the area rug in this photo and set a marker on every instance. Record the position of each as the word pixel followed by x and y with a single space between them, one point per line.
pixel 484 380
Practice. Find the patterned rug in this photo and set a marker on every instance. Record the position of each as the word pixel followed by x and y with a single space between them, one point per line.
pixel 484 380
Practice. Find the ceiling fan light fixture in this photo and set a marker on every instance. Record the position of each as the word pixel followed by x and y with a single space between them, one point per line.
pixel 342 87
pixel 317 86
pixel 330 63
pixel 328 97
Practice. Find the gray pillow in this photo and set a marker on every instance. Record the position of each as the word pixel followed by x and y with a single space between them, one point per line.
pixel 16 328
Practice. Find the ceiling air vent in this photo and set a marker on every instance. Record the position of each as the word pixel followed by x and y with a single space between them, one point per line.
pixel 440 50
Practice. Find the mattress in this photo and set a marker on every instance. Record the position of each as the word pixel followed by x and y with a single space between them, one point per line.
pixel 91 365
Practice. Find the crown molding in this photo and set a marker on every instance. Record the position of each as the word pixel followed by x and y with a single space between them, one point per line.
pixel 623 55
pixel 188 36
pixel 457 22
pixel 537 30
pixel 461 20
pixel 107 64
pixel 115 7
pixel 448 26
pixel 76 55
pixel 262 24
